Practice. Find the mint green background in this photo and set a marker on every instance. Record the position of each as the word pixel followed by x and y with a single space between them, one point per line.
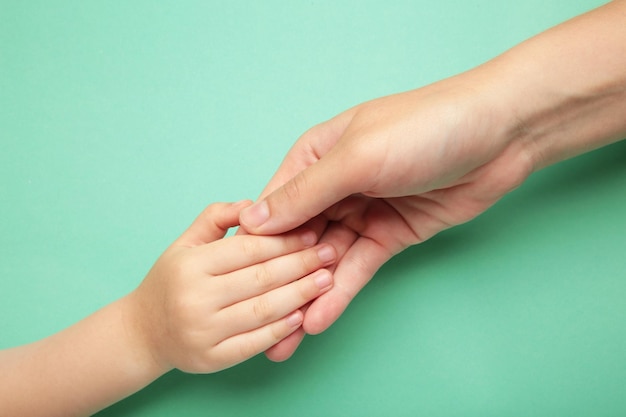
pixel 120 121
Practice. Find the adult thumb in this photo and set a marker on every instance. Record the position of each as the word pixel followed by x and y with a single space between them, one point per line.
pixel 303 197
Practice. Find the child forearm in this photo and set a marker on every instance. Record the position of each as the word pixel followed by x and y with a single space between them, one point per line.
pixel 79 370
pixel 207 304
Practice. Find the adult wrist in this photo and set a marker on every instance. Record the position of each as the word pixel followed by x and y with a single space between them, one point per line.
pixel 563 92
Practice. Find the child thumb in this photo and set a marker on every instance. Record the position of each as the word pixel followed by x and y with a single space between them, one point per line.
pixel 212 223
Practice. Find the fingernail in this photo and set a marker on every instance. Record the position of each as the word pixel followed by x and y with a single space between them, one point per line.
pixel 256 214
pixel 326 254
pixel 294 320
pixel 309 238
pixel 323 280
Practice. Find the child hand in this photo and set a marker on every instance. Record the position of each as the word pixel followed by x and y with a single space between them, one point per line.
pixel 209 303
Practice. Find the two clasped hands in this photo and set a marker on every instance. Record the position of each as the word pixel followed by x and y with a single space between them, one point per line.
pixel 351 193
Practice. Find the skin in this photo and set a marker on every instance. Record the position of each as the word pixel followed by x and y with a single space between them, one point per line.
pixel 394 171
pixel 420 162
pixel 207 304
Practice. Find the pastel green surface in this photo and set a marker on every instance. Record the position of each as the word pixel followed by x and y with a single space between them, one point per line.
pixel 120 121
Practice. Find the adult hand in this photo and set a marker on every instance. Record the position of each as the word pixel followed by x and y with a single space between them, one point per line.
pixel 395 171
pixel 383 176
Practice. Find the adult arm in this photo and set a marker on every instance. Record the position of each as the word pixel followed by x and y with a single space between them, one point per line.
pixel 394 171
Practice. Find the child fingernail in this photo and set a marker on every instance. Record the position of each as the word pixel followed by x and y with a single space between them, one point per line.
pixel 294 320
pixel 323 280
pixel 326 254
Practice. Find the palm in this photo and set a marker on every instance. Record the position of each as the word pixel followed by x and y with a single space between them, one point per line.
pixel 394 199
pixel 368 231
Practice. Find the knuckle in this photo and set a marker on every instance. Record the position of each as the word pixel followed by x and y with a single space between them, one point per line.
pixel 309 261
pixel 277 333
pixel 295 188
pixel 212 210
pixel 248 348
pixel 262 309
pixel 312 135
pixel 307 289
pixel 305 264
pixel 250 248
pixel 262 278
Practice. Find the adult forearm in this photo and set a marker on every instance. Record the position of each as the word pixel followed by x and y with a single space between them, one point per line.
pixel 563 92
pixel 77 371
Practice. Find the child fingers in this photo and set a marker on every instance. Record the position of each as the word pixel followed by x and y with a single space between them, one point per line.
pixel 242 346
pixel 212 223
pixel 238 252
pixel 269 307
pixel 265 276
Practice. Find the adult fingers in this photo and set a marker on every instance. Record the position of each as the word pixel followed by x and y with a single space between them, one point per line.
pixel 310 179
pixel 309 148
pixel 341 238
pixel 283 350
pixel 303 197
pixel 353 271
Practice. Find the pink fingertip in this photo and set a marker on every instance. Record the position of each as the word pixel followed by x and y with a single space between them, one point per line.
pixel 323 280
pixel 295 319
pixel 326 254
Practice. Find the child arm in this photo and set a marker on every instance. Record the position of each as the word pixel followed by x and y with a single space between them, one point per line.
pixel 206 304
